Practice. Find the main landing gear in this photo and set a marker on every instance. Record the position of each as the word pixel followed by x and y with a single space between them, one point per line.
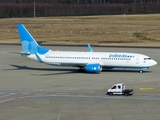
pixel 80 70
pixel 141 71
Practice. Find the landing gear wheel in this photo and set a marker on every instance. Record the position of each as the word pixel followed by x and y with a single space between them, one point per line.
pixel 141 71
pixel 125 94
pixel 110 93
pixel 80 70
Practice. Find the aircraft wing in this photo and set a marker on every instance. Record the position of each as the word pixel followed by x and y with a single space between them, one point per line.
pixel 80 65
pixel 74 64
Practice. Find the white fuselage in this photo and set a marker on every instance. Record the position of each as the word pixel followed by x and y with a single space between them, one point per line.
pixel 91 61
pixel 105 59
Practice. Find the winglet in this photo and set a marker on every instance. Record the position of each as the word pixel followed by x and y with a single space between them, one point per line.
pixel 29 45
pixel 90 48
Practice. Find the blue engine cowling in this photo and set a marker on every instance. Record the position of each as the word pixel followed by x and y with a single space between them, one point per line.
pixel 93 68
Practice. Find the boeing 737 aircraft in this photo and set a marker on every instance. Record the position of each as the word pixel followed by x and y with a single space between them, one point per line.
pixel 93 62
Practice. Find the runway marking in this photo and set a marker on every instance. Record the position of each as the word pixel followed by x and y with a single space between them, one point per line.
pixel 34 93
pixel 7 100
pixel 14 98
pixel 146 88
pixel 100 109
pixel 7 95
pixel 106 107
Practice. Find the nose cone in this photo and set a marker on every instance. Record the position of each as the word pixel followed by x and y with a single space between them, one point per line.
pixel 154 62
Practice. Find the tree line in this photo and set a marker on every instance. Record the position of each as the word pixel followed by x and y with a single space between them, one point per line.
pixel 25 8
pixel 79 1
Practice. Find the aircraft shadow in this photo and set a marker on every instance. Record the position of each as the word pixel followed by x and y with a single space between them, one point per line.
pixel 70 70
pixel 125 70
pixel 61 70
pixel 15 52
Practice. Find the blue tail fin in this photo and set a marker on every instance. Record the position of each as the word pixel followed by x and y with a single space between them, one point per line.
pixel 29 45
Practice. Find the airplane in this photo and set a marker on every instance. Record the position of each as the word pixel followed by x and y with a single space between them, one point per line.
pixel 89 62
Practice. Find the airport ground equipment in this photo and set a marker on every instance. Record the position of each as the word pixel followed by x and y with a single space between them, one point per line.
pixel 119 89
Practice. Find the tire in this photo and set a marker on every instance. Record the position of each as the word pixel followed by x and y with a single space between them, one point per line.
pixel 125 94
pixel 140 71
pixel 80 70
pixel 110 93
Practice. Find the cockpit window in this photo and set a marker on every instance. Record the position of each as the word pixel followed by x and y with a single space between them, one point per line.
pixel 147 58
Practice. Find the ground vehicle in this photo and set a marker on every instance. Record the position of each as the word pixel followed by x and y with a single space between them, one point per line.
pixel 119 89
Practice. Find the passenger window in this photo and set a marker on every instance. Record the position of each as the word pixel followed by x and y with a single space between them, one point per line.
pixel 119 87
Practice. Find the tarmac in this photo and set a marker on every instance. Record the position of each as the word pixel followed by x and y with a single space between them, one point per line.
pixel 36 91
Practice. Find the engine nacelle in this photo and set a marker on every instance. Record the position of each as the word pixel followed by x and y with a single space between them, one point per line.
pixel 93 68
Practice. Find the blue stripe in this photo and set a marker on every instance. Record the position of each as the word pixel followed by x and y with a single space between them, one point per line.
pixel 38 58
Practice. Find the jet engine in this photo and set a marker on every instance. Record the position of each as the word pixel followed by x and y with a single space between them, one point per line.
pixel 93 68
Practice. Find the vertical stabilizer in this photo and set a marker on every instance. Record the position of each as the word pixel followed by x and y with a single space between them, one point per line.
pixel 29 45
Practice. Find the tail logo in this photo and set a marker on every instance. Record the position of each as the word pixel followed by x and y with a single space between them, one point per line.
pixel 29 45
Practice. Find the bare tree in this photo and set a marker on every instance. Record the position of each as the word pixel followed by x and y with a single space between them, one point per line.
pixel 100 1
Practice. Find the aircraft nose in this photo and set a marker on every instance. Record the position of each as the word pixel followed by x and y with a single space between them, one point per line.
pixel 154 62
